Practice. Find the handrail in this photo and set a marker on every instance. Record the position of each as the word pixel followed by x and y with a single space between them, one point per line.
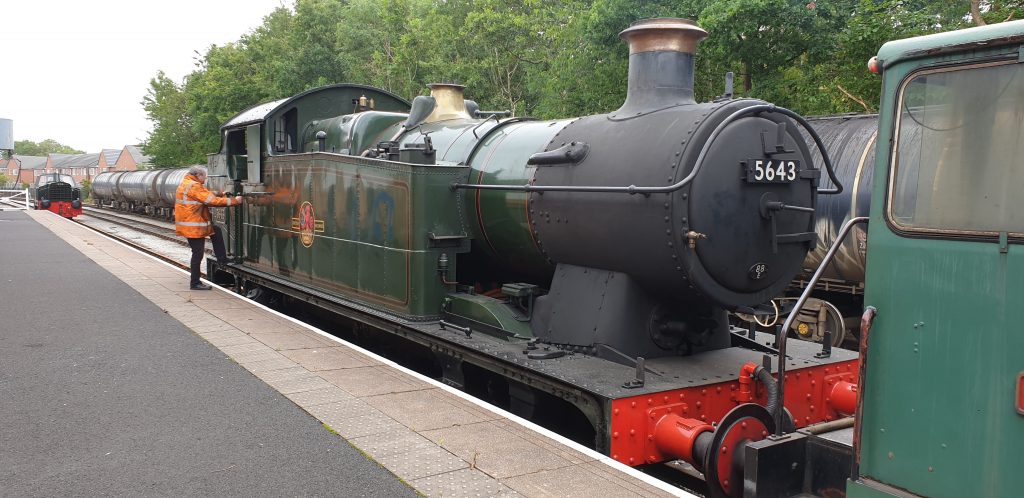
pixel 633 189
pixel 781 341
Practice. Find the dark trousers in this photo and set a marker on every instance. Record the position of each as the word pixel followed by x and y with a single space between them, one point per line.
pixel 199 250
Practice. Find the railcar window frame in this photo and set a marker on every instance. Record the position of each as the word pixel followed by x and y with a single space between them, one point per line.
pixel 892 189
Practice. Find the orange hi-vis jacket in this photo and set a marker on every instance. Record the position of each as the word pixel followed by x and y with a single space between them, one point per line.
pixel 191 208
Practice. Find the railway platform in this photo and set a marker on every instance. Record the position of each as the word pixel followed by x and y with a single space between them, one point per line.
pixel 117 379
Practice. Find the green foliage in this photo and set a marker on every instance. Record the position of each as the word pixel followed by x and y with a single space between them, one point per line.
pixel 86 188
pixel 174 139
pixel 4 179
pixel 48 146
pixel 546 58
pixel 380 42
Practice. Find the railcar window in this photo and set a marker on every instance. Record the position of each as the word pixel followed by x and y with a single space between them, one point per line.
pixel 958 151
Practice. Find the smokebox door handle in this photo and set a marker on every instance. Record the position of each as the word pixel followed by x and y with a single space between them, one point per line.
pixel 570 153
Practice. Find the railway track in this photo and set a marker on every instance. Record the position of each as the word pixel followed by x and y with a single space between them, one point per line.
pixel 151 236
pixel 155 228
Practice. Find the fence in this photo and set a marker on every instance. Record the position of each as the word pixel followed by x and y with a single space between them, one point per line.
pixel 14 200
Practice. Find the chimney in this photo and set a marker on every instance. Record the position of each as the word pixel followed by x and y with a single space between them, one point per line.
pixel 661 53
pixel 450 102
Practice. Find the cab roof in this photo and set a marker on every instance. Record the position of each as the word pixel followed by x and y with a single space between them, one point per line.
pixel 259 112
pixel 979 37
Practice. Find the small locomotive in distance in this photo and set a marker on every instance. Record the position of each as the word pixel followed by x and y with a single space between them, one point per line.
pixel 585 263
pixel 58 193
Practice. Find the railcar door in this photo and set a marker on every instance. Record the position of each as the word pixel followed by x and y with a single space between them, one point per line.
pixel 941 411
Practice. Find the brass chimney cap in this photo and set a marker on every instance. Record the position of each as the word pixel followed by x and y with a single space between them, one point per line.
pixel 663 34
pixel 454 86
pixel 450 102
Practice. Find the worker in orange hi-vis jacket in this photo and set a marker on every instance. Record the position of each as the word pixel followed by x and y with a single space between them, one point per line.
pixel 192 220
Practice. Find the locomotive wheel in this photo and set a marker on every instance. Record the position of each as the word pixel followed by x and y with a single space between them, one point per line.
pixel 260 294
pixel 723 463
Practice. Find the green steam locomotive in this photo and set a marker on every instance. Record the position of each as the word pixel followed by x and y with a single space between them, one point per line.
pixel 587 264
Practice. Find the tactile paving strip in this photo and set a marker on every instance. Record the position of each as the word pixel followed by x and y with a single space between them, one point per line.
pixel 408 454
pixel 322 396
pixel 465 482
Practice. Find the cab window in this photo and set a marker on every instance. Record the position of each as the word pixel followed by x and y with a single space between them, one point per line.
pixel 958 151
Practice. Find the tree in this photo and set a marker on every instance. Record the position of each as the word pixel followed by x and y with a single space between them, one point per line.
pixel 378 38
pixel 984 12
pixel 173 141
pixel 547 58
pixel 48 146
pixel 86 188
pixel 314 43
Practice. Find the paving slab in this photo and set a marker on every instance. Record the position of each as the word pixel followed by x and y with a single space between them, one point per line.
pixel 328 358
pixel 427 409
pixel 372 381
pixel 495 450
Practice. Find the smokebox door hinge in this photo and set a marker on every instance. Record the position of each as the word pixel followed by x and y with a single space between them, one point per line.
pixel 779 147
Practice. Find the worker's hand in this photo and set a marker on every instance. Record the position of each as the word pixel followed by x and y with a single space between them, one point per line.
pixel 238 199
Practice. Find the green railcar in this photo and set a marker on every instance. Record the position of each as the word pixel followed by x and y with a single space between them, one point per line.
pixel 942 411
pixel 940 395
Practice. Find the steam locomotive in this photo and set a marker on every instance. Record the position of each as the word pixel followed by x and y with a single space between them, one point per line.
pixel 58 193
pixel 588 263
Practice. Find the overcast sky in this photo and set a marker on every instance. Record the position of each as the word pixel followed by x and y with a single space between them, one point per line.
pixel 76 71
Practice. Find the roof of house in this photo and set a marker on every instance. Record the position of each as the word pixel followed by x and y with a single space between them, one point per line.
pixel 83 160
pixel 31 162
pixel 137 154
pixel 111 155
pixel 75 160
pixel 59 160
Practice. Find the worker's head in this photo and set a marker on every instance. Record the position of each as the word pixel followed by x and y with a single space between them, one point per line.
pixel 199 172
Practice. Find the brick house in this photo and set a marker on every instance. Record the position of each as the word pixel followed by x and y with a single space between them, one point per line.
pixel 108 160
pixel 130 159
pixel 23 168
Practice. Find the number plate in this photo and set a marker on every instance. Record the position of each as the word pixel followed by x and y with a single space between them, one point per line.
pixel 772 170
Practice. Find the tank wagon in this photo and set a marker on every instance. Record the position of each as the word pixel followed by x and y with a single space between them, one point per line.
pixel 58 193
pixel 586 262
pixel 835 308
pixel 148 192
